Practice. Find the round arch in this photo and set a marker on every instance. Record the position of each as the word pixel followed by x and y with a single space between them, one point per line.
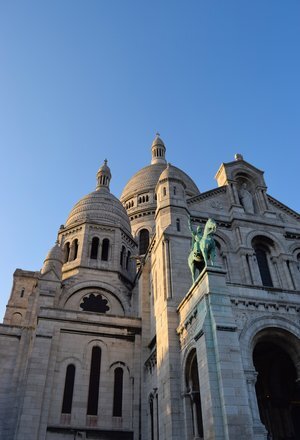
pixel 246 175
pixel 278 244
pixel 98 285
pixel 223 240
pixel 275 357
pixel 266 323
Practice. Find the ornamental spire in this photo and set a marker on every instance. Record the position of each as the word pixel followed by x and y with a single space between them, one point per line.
pixel 158 150
pixel 103 177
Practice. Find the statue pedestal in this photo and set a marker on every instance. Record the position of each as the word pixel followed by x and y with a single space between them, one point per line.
pixel 207 323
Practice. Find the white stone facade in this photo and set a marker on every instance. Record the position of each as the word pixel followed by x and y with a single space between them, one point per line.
pixel 110 340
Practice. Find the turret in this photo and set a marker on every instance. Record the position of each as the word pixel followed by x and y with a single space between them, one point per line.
pixel 103 177
pixel 171 201
pixel 158 151
pixel 54 261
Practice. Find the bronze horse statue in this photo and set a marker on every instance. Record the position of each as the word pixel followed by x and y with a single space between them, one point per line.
pixel 203 247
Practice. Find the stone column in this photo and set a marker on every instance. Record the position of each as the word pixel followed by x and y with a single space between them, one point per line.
pixel 274 261
pixel 265 198
pixel 289 265
pixel 254 269
pixel 261 199
pixel 258 428
pixel 286 276
pixel 188 415
pixel 225 264
pixel 235 194
pixel 248 276
pixel 295 273
pixel 168 269
pixel 195 417
pixel 231 193
pixel 72 251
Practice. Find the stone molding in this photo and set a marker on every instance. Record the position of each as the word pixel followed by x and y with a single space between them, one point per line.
pixel 151 362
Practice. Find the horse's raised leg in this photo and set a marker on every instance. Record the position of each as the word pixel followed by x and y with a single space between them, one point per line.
pixel 204 253
pixel 213 256
pixel 193 270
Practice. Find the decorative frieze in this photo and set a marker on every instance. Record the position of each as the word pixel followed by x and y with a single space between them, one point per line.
pixel 265 305
pixel 72 231
pixel 188 322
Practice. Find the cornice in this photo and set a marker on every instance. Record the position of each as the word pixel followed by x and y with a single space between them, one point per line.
pixel 207 195
pixel 285 208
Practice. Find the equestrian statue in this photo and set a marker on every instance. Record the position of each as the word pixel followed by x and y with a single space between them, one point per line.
pixel 203 247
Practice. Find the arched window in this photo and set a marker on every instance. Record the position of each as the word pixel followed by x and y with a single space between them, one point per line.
pixel 174 190
pixel 262 261
pixel 122 256
pixel 16 319
pixel 298 261
pixel 105 248
pixel 143 241
pixel 128 259
pixel 194 422
pixel 94 248
pixel 164 191
pixel 263 247
pixel 118 392
pixel 178 224
pixel 22 292
pixel 93 396
pixel 66 252
pixel 68 390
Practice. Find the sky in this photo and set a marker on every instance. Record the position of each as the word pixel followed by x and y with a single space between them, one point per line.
pixel 81 81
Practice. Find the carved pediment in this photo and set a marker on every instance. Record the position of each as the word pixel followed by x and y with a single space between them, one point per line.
pixel 283 213
pixel 214 202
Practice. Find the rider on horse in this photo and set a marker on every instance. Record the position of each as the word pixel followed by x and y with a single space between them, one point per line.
pixel 203 247
pixel 196 238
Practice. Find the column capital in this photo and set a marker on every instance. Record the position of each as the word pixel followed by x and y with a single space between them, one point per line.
pixel 251 376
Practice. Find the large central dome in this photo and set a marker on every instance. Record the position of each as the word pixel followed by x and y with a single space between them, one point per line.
pixel 146 179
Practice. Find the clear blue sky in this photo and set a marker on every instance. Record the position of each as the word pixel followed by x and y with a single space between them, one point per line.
pixel 84 80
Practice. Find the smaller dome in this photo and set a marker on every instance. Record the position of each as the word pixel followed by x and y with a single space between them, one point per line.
pixel 54 260
pixel 55 253
pixel 101 207
pixel 171 173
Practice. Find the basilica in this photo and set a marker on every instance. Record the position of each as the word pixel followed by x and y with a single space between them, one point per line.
pixel 167 314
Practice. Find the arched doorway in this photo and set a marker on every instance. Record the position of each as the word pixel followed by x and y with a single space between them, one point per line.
pixel 277 390
pixel 194 422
